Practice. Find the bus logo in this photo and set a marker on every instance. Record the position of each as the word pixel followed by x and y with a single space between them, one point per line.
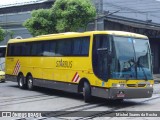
pixel 76 78
pixel 16 68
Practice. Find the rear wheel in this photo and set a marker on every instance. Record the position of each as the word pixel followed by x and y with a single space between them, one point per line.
pixel 86 92
pixel 21 82
pixel 30 82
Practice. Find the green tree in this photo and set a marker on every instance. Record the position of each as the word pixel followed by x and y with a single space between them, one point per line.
pixel 73 14
pixel 64 16
pixel 2 34
pixel 41 22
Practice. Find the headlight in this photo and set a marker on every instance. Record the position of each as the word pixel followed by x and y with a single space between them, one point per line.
pixel 149 85
pixel 118 85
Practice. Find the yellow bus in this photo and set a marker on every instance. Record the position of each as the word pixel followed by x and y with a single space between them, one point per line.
pixel 108 64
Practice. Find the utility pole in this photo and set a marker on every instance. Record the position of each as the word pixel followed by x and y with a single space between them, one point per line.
pixel 97 18
pixel 96 23
pixel 99 9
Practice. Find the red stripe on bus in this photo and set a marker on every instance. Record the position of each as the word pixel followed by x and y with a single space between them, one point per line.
pixel 16 68
pixel 74 76
pixel 77 78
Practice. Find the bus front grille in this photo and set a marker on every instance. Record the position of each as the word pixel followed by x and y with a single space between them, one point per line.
pixel 136 85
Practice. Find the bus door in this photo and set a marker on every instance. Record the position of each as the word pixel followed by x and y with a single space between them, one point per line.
pixel 100 57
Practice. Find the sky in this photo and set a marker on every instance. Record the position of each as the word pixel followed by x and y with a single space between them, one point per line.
pixel 6 2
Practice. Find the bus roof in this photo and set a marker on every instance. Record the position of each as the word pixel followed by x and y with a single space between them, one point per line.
pixel 77 34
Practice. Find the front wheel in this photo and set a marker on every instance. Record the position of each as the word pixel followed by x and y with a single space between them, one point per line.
pixel 86 92
pixel 118 100
pixel 30 83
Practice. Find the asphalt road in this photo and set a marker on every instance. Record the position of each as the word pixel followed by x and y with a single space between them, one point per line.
pixel 13 98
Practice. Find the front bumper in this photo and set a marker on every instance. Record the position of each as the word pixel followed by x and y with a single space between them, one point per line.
pixel 128 93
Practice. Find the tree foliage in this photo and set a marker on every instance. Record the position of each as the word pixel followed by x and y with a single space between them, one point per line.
pixel 64 16
pixel 2 34
pixel 73 14
pixel 41 22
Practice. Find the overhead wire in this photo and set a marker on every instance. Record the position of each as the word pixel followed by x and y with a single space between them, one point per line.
pixel 125 9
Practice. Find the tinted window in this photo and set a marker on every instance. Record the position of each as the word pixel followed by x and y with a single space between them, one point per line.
pixel 23 48
pixel 39 49
pixel 28 49
pixel 81 46
pixel 67 47
pixel 52 48
pixel 46 48
pixel 33 49
pixel 85 46
pixel 73 47
pixel 2 52
pixel 76 47
pixel 63 47
pixel 11 50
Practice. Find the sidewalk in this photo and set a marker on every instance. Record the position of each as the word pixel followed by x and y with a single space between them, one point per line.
pixel 156 78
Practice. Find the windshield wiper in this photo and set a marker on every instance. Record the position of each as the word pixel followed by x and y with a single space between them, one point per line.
pixel 141 66
pixel 138 64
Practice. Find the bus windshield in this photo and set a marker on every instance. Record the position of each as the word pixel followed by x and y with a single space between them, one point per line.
pixel 131 58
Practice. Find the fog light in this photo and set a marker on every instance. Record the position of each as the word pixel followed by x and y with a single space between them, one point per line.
pixel 115 85
pixel 149 85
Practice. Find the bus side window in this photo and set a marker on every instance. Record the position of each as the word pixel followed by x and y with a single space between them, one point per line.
pixel 23 45
pixel 12 50
pixel 9 50
pixel 85 46
pixel 52 49
pixel 63 47
pixel 33 49
pixel 80 46
pixel 46 48
pixel 17 49
pixel 2 52
pixel 39 49
pixel 76 49
pixel 28 49
pixel 67 47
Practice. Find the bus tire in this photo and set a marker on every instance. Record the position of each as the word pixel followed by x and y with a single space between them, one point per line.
pixel 21 82
pixel 30 82
pixel 86 92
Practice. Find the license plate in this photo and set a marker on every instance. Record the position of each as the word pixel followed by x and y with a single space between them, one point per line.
pixel 121 95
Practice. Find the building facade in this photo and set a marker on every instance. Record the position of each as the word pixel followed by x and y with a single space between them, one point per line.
pixel 138 16
pixel 12 17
